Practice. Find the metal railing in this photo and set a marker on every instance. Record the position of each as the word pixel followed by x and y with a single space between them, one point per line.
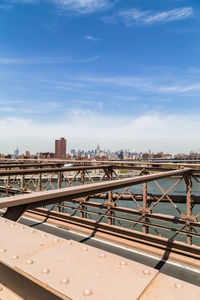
pixel 116 207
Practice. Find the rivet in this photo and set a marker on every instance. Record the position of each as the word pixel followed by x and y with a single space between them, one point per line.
pixel 146 272
pixel 102 255
pixel 29 262
pixel 61 258
pixel 178 285
pixel 32 231
pixel 43 234
pixel 64 281
pixel 15 257
pixel 85 249
pixel 45 271
pixel 4 221
pixel 41 245
pixel 12 224
pixel 56 240
pixel 22 227
pixel 96 274
pixel 123 263
pixel 1 288
pixel 87 292
pixel 2 250
pixel 69 243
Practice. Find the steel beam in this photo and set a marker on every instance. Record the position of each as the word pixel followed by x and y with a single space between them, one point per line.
pixel 59 195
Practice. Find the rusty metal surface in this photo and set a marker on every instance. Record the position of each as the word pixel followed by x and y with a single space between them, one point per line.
pixel 164 287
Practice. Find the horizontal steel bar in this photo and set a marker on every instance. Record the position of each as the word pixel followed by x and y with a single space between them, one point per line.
pixel 51 170
pixel 134 212
pixel 23 166
pixel 55 196
pixel 114 217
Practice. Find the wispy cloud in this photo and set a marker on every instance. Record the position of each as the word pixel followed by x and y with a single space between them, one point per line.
pixel 12 60
pixel 82 6
pixel 136 16
pixel 72 6
pixel 91 38
pixel 145 84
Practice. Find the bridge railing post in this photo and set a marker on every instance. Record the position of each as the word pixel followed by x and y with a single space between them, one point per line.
pixel 22 186
pixel 145 228
pixel 188 182
pixel 39 181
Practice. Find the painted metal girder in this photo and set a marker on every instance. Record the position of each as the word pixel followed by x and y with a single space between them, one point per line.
pixel 72 270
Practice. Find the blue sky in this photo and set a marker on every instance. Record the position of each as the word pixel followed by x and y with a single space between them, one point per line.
pixel 124 73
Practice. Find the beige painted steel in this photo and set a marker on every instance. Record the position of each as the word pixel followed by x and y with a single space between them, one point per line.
pixel 7 294
pixel 69 268
pixel 159 252
pixel 164 287
pixel 72 270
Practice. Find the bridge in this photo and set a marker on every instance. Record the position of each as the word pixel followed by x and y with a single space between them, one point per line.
pixel 101 230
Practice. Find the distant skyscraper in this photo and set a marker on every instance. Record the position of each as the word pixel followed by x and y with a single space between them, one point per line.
pixel 98 148
pixel 60 148
pixel 16 153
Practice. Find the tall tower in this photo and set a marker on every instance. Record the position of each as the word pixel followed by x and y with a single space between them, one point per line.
pixel 98 148
pixel 60 148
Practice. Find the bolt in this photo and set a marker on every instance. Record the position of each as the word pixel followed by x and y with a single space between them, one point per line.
pixel 29 262
pixel 61 258
pixel 15 257
pixel 64 281
pixel 87 292
pixel 2 250
pixel 123 263
pixel 178 285
pixel 45 271
pixel 85 249
pixel 146 272
pixel 102 255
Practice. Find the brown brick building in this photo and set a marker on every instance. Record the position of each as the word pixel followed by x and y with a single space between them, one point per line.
pixel 60 148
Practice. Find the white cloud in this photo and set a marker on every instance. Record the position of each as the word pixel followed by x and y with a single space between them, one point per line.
pixel 145 84
pixel 84 128
pixel 82 6
pixel 91 38
pixel 72 6
pixel 148 17
pixel 43 60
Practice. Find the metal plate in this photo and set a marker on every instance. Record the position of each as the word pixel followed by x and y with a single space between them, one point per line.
pixel 164 287
pixel 75 271
pixel 70 268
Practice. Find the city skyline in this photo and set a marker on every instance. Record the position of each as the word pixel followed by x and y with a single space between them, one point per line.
pixel 124 73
